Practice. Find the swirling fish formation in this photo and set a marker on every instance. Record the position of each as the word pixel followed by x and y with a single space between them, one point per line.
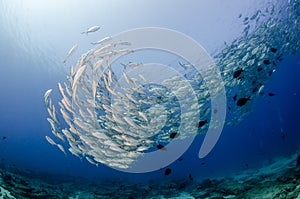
pixel 116 133
pixel 110 124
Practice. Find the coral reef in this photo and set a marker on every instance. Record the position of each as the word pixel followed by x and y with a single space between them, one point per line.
pixel 278 180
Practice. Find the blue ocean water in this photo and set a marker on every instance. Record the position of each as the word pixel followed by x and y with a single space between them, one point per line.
pixel 36 37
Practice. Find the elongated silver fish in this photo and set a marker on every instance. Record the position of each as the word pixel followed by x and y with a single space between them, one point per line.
pixel 71 52
pixel 61 148
pixel 91 29
pixel 101 41
pixel 91 161
pixel 75 152
pixel 46 96
pixel 50 140
pixel 132 65
pixel 77 75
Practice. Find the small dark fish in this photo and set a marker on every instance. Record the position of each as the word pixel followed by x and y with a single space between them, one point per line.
pixel 201 123
pixel 234 97
pixel 267 62
pixel 273 50
pixel 247 165
pixel 191 177
pixel 168 171
pixel 254 90
pixel 271 94
pixel 237 73
pixel 259 69
pixel 180 159
pixel 4 137
pixel 161 147
pixel 242 101
pixel 174 135
pixel 202 163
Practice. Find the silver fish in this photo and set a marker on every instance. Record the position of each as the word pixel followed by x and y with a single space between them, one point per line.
pixel 46 96
pixel 101 41
pixel 132 65
pixel 61 148
pixel 75 152
pixel 91 161
pixel 50 140
pixel 71 52
pixel 91 29
pixel 79 72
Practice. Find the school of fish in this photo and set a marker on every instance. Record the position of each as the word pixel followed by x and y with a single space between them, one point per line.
pixel 104 123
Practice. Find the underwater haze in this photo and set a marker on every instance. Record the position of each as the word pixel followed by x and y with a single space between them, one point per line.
pixel 84 139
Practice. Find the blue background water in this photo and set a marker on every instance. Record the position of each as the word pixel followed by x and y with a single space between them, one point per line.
pixel 36 37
